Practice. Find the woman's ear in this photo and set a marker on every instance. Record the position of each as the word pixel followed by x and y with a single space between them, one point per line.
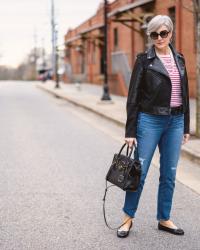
pixel 170 35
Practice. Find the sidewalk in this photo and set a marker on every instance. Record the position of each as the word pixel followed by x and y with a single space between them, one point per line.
pixel 88 96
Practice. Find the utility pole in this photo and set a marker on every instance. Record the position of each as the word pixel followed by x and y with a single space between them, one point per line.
pixel 106 96
pixel 35 53
pixel 54 45
pixel 53 36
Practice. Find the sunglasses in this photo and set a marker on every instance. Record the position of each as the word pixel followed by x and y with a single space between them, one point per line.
pixel 162 34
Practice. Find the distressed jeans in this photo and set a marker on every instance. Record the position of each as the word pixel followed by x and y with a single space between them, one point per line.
pixel 166 132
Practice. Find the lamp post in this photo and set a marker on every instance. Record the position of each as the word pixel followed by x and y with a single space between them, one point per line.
pixel 106 96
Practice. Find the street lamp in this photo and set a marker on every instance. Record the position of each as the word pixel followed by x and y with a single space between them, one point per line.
pixel 106 96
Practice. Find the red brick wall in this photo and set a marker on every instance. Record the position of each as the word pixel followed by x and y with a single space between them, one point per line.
pixel 132 42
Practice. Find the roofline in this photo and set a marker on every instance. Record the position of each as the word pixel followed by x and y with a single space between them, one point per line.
pixel 82 32
pixel 91 28
pixel 72 39
pixel 129 6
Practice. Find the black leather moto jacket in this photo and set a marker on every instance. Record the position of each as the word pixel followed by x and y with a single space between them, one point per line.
pixel 150 89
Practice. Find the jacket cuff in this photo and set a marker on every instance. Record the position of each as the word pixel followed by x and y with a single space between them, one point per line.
pixel 187 123
pixel 130 132
pixel 186 130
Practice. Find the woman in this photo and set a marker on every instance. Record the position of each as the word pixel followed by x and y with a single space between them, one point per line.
pixel 157 115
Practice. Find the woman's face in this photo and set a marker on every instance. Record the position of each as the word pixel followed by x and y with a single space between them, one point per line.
pixel 163 39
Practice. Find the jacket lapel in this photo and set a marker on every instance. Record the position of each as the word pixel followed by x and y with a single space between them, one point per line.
pixel 178 61
pixel 158 66
pixel 156 63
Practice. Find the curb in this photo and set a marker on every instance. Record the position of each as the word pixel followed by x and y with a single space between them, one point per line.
pixel 187 153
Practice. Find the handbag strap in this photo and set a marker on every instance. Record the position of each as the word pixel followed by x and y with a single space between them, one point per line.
pixel 104 210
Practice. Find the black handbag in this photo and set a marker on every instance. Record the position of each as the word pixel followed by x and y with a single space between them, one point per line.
pixel 124 173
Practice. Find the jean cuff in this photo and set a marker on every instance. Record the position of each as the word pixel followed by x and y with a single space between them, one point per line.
pixel 163 219
pixel 128 214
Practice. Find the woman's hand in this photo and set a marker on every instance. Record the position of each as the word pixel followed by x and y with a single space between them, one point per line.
pixel 186 138
pixel 131 142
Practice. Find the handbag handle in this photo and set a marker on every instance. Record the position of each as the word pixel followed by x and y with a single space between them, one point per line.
pixel 136 154
pixel 126 151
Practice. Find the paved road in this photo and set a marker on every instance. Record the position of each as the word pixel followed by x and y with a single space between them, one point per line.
pixel 54 157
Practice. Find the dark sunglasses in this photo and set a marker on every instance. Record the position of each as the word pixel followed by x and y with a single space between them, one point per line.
pixel 162 34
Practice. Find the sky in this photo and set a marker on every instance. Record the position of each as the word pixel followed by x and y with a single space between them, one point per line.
pixel 22 20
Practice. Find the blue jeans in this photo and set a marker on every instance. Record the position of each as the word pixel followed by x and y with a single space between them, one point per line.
pixel 166 132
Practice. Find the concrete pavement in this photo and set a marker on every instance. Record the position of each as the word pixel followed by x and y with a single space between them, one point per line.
pixel 88 96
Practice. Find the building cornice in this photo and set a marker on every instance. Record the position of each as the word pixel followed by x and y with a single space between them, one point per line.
pixel 129 7
pixel 72 39
pixel 91 28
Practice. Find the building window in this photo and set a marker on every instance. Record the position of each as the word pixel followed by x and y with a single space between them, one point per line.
pixel 116 39
pixel 172 14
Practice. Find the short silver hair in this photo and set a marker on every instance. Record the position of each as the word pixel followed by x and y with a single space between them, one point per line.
pixel 157 21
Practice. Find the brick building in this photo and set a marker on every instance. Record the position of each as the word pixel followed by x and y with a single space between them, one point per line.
pixel 127 21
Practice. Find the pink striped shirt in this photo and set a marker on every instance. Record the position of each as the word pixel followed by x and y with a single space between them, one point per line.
pixel 174 75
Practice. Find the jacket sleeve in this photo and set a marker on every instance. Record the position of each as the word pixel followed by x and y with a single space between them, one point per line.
pixel 187 112
pixel 133 98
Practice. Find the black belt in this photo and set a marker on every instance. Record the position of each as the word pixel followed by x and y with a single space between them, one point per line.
pixel 176 110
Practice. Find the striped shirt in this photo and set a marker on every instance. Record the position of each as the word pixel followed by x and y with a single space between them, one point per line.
pixel 170 65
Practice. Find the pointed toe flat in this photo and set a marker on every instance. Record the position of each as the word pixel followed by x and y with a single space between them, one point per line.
pixel 124 234
pixel 176 231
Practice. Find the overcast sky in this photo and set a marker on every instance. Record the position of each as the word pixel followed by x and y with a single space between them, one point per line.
pixel 20 19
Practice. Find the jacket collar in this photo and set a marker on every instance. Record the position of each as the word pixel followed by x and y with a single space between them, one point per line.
pixel 152 54
pixel 158 66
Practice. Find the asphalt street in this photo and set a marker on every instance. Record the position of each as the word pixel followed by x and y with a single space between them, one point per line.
pixel 54 157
